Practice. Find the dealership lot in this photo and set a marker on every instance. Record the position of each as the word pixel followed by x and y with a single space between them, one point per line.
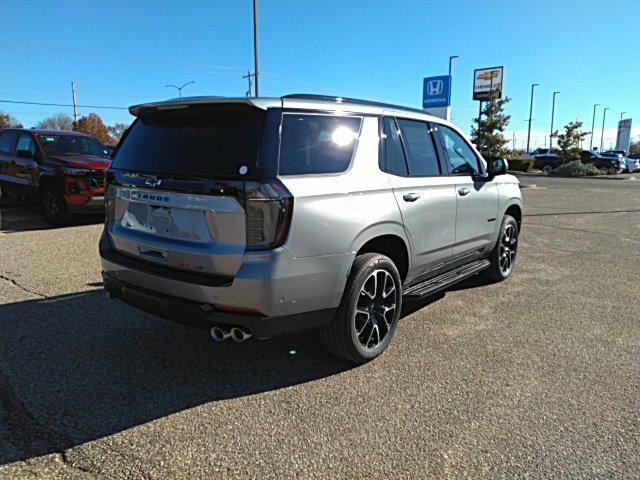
pixel 538 375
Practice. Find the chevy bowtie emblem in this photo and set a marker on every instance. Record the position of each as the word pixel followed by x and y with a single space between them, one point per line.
pixel 153 182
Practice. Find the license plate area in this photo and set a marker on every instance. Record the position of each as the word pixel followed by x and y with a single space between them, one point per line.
pixel 166 221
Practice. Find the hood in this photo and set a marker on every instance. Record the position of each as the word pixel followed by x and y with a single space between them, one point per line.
pixel 90 162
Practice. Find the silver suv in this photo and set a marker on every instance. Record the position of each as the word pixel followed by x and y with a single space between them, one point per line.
pixel 262 216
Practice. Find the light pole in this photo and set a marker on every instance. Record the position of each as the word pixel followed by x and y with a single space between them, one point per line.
pixel 553 111
pixel 181 87
pixel 604 116
pixel 593 124
pixel 530 115
pixel 621 114
pixel 256 70
pixel 451 60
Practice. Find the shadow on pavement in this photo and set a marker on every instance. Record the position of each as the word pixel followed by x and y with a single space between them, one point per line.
pixel 80 367
pixel 17 217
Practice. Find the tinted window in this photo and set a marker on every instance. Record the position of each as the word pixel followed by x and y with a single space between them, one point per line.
pixel 197 140
pixel 7 140
pixel 317 143
pixel 71 145
pixel 462 159
pixel 419 147
pixel 394 161
pixel 25 142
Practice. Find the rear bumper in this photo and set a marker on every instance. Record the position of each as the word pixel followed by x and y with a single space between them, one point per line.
pixel 204 317
pixel 289 293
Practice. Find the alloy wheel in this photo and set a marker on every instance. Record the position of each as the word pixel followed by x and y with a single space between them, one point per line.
pixel 508 246
pixel 375 309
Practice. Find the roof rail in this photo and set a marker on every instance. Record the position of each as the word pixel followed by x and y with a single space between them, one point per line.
pixel 338 99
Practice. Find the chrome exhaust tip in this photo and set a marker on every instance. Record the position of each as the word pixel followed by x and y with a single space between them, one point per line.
pixel 239 335
pixel 218 334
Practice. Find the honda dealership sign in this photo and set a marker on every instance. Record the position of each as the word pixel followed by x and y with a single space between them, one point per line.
pixel 436 91
pixel 485 81
pixel 624 135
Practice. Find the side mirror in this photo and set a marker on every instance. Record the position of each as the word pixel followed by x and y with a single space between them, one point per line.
pixel 24 154
pixel 497 166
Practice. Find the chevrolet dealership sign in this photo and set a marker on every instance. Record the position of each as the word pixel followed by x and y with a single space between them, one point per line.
pixel 487 80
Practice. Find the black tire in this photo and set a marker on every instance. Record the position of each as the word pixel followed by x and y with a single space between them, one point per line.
pixel 54 207
pixel 547 169
pixel 341 336
pixel 496 271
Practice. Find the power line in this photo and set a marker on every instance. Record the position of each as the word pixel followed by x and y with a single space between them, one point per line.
pixel 63 105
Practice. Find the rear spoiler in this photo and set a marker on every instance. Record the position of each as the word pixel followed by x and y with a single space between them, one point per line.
pixel 177 103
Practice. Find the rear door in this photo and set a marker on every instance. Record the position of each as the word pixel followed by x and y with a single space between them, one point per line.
pixel 426 197
pixel 477 207
pixel 178 184
pixel 26 167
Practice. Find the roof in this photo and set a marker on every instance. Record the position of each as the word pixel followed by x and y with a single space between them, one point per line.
pixel 48 131
pixel 298 100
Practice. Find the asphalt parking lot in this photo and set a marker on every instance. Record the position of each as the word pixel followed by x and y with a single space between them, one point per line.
pixel 535 377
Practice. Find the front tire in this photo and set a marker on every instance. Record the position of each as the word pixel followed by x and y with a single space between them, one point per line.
pixel 55 207
pixel 369 312
pixel 503 256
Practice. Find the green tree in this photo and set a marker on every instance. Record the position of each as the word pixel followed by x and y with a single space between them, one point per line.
pixel 9 121
pixel 58 121
pixel 569 141
pixel 487 134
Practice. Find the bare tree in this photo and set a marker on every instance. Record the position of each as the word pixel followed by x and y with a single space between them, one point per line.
pixel 9 121
pixel 117 130
pixel 59 121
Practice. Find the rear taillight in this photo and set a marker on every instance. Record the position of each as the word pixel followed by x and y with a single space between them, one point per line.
pixel 269 207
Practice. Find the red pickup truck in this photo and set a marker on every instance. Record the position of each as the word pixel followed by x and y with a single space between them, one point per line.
pixel 61 169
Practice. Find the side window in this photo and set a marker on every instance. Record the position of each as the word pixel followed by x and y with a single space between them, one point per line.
pixel 6 142
pixel 419 147
pixel 462 159
pixel 394 161
pixel 317 143
pixel 25 142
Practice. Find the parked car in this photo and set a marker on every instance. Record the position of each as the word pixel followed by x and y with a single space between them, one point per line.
pixel 547 163
pixel 610 164
pixel 630 164
pixel 262 216
pixel 63 170
pixel 634 155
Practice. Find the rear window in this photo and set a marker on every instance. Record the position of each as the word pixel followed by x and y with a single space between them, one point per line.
pixel 197 140
pixel 317 143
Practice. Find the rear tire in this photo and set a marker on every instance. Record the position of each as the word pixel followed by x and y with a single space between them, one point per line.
pixel 368 315
pixel 55 207
pixel 503 255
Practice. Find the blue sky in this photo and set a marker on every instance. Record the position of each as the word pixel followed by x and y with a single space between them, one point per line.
pixel 120 53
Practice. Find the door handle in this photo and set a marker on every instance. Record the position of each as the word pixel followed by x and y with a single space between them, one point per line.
pixel 462 191
pixel 410 197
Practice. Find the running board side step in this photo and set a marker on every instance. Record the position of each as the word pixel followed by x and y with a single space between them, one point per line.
pixel 446 279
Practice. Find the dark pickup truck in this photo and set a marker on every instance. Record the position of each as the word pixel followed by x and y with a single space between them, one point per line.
pixel 63 170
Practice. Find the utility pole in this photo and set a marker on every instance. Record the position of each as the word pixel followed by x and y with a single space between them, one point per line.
pixel 553 111
pixel 249 76
pixel 604 116
pixel 593 124
pixel 75 104
pixel 530 116
pixel 256 71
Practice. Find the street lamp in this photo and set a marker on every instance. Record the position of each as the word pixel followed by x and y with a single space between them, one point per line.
pixel 604 116
pixel 593 123
pixel 553 111
pixel 450 61
pixel 180 88
pixel 530 115
pixel 622 114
